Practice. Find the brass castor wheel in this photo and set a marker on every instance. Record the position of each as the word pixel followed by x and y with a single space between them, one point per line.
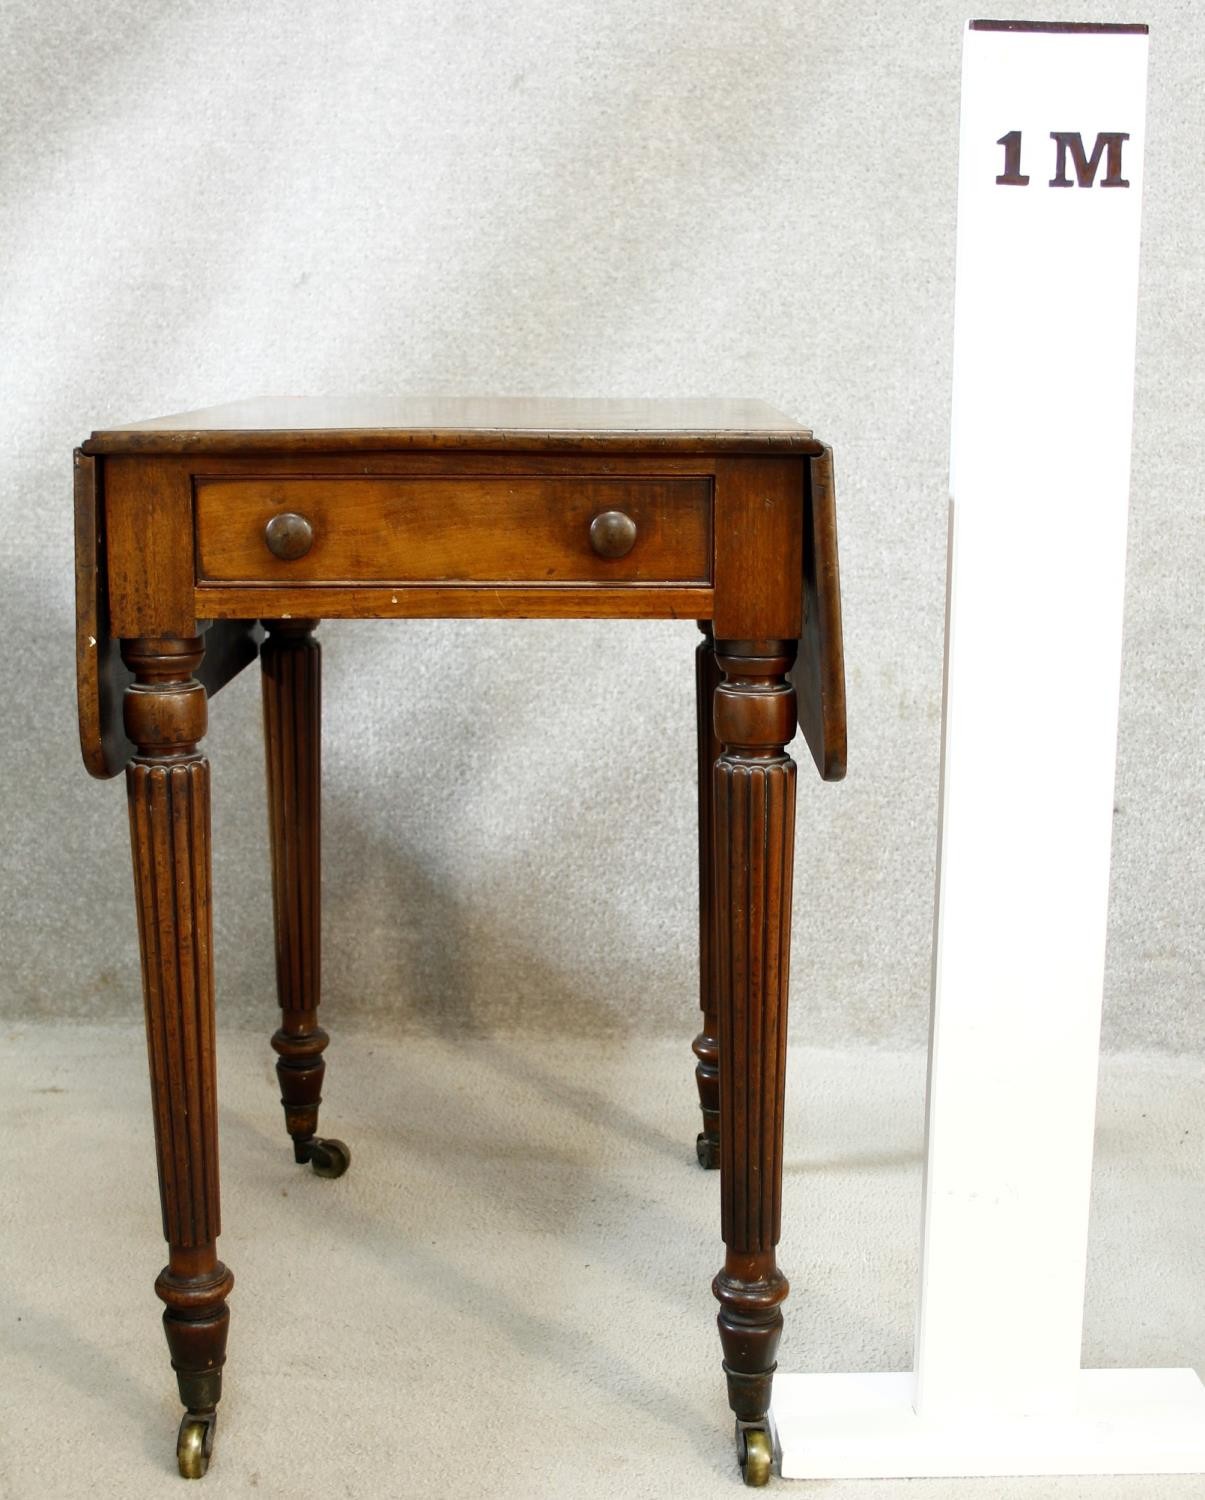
pixel 707 1149
pixel 755 1454
pixel 195 1443
pixel 328 1157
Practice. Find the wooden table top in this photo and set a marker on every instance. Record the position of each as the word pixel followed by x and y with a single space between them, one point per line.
pixel 481 424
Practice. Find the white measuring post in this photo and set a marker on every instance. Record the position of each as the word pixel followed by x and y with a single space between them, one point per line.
pixel 1050 186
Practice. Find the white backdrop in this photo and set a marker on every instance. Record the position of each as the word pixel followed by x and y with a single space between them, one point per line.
pixel 205 201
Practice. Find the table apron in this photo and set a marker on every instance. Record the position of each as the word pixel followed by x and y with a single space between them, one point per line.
pixel 729 530
pixel 633 601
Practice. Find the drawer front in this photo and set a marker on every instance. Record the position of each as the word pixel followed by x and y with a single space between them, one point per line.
pixel 471 529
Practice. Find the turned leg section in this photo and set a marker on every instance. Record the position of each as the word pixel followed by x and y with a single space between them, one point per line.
pixel 168 787
pixel 754 816
pixel 706 1044
pixel 292 689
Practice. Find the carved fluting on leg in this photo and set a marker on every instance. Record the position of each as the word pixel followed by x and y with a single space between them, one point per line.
pixel 169 827
pixel 706 1044
pixel 755 807
pixel 292 691
pixel 754 815
pixel 168 788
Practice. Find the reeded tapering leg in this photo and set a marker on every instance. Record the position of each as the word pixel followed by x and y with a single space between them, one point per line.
pixel 168 787
pixel 292 681
pixel 754 814
pixel 706 1044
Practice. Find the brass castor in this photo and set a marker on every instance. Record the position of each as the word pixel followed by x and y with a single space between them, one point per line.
pixel 754 1453
pixel 707 1149
pixel 195 1443
pixel 328 1157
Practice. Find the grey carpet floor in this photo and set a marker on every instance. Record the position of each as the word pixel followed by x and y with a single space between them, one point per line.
pixel 508 1294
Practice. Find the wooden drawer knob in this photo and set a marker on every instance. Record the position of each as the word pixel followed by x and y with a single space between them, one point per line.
pixel 612 534
pixel 289 536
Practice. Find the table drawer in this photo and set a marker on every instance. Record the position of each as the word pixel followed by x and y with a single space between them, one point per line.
pixel 474 529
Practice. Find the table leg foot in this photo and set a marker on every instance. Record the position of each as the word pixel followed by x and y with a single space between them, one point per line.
pixel 194 1443
pixel 754 1454
pixel 327 1156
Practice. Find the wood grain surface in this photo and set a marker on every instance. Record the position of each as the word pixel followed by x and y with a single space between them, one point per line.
pixel 486 424
pixel 819 670
pixel 101 677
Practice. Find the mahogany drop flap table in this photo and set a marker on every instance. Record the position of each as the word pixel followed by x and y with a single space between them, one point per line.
pixel 206 540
